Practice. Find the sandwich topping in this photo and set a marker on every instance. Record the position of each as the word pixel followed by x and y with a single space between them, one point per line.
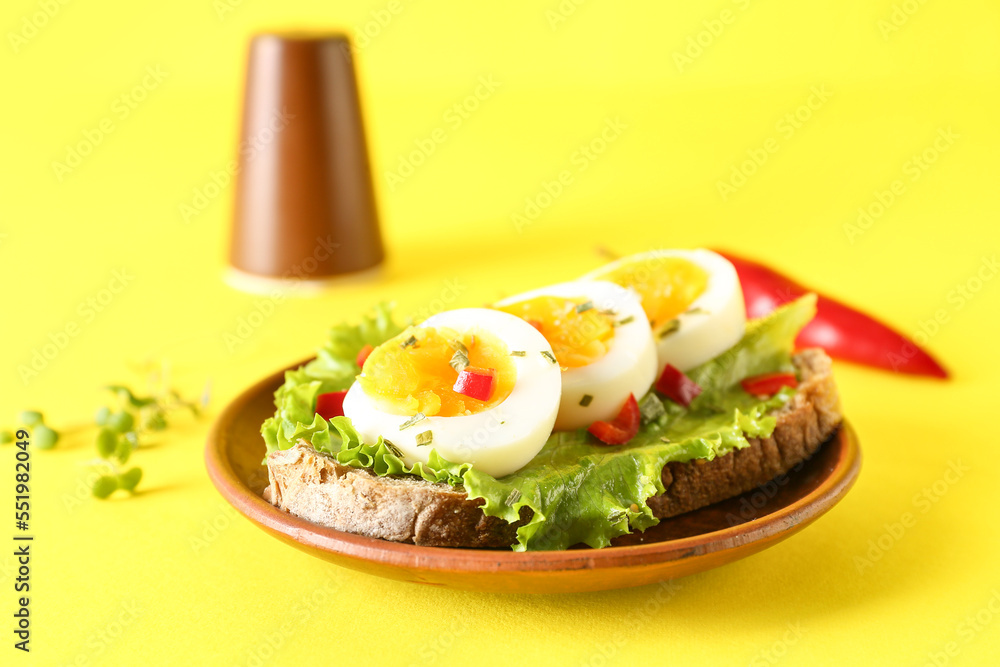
pixel 579 333
pixel 692 298
pixel 417 371
pixel 667 284
pixel 479 403
pixel 600 338
pixel 567 400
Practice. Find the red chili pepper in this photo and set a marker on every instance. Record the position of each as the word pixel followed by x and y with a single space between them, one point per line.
pixel 331 404
pixel 768 384
pixel 622 429
pixel 477 383
pixel 845 333
pixel 363 355
pixel 676 386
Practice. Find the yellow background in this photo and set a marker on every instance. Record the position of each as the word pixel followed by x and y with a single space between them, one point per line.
pixel 134 568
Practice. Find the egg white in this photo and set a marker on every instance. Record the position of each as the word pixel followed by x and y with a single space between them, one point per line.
pixel 628 367
pixel 713 323
pixel 497 441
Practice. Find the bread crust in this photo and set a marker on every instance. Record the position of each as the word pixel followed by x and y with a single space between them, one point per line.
pixel 315 487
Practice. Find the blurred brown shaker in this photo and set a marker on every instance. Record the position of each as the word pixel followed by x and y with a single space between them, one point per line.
pixel 305 206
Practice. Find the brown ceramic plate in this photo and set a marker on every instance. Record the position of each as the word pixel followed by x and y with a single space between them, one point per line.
pixel 676 547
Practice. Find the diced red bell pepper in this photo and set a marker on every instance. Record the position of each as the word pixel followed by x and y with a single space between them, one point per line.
pixel 768 384
pixel 676 386
pixel 331 404
pixel 363 355
pixel 845 333
pixel 477 383
pixel 622 429
pixel 535 323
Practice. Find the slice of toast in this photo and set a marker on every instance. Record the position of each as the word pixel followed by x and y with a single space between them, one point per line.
pixel 315 487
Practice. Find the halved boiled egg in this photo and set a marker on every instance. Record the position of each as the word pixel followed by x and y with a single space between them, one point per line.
pixel 692 298
pixel 475 384
pixel 602 340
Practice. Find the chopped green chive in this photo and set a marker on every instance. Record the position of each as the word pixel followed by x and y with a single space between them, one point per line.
pixel 616 515
pixel 624 321
pixel 548 355
pixel 584 307
pixel 459 346
pixel 670 327
pixel 392 448
pixel 424 438
pixel 518 353
pixel 514 496
pixel 459 361
pixel 585 401
pixel 651 408
pixel 409 342
pixel 420 416
pixel 696 311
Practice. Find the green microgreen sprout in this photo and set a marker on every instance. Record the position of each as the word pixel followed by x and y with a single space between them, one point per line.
pixel 43 435
pixel 32 418
pixel 121 427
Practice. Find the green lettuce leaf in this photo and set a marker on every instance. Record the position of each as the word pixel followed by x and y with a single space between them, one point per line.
pixel 334 369
pixel 578 491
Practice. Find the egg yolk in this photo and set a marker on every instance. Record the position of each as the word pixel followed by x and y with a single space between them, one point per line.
pixel 578 333
pixel 413 372
pixel 667 286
